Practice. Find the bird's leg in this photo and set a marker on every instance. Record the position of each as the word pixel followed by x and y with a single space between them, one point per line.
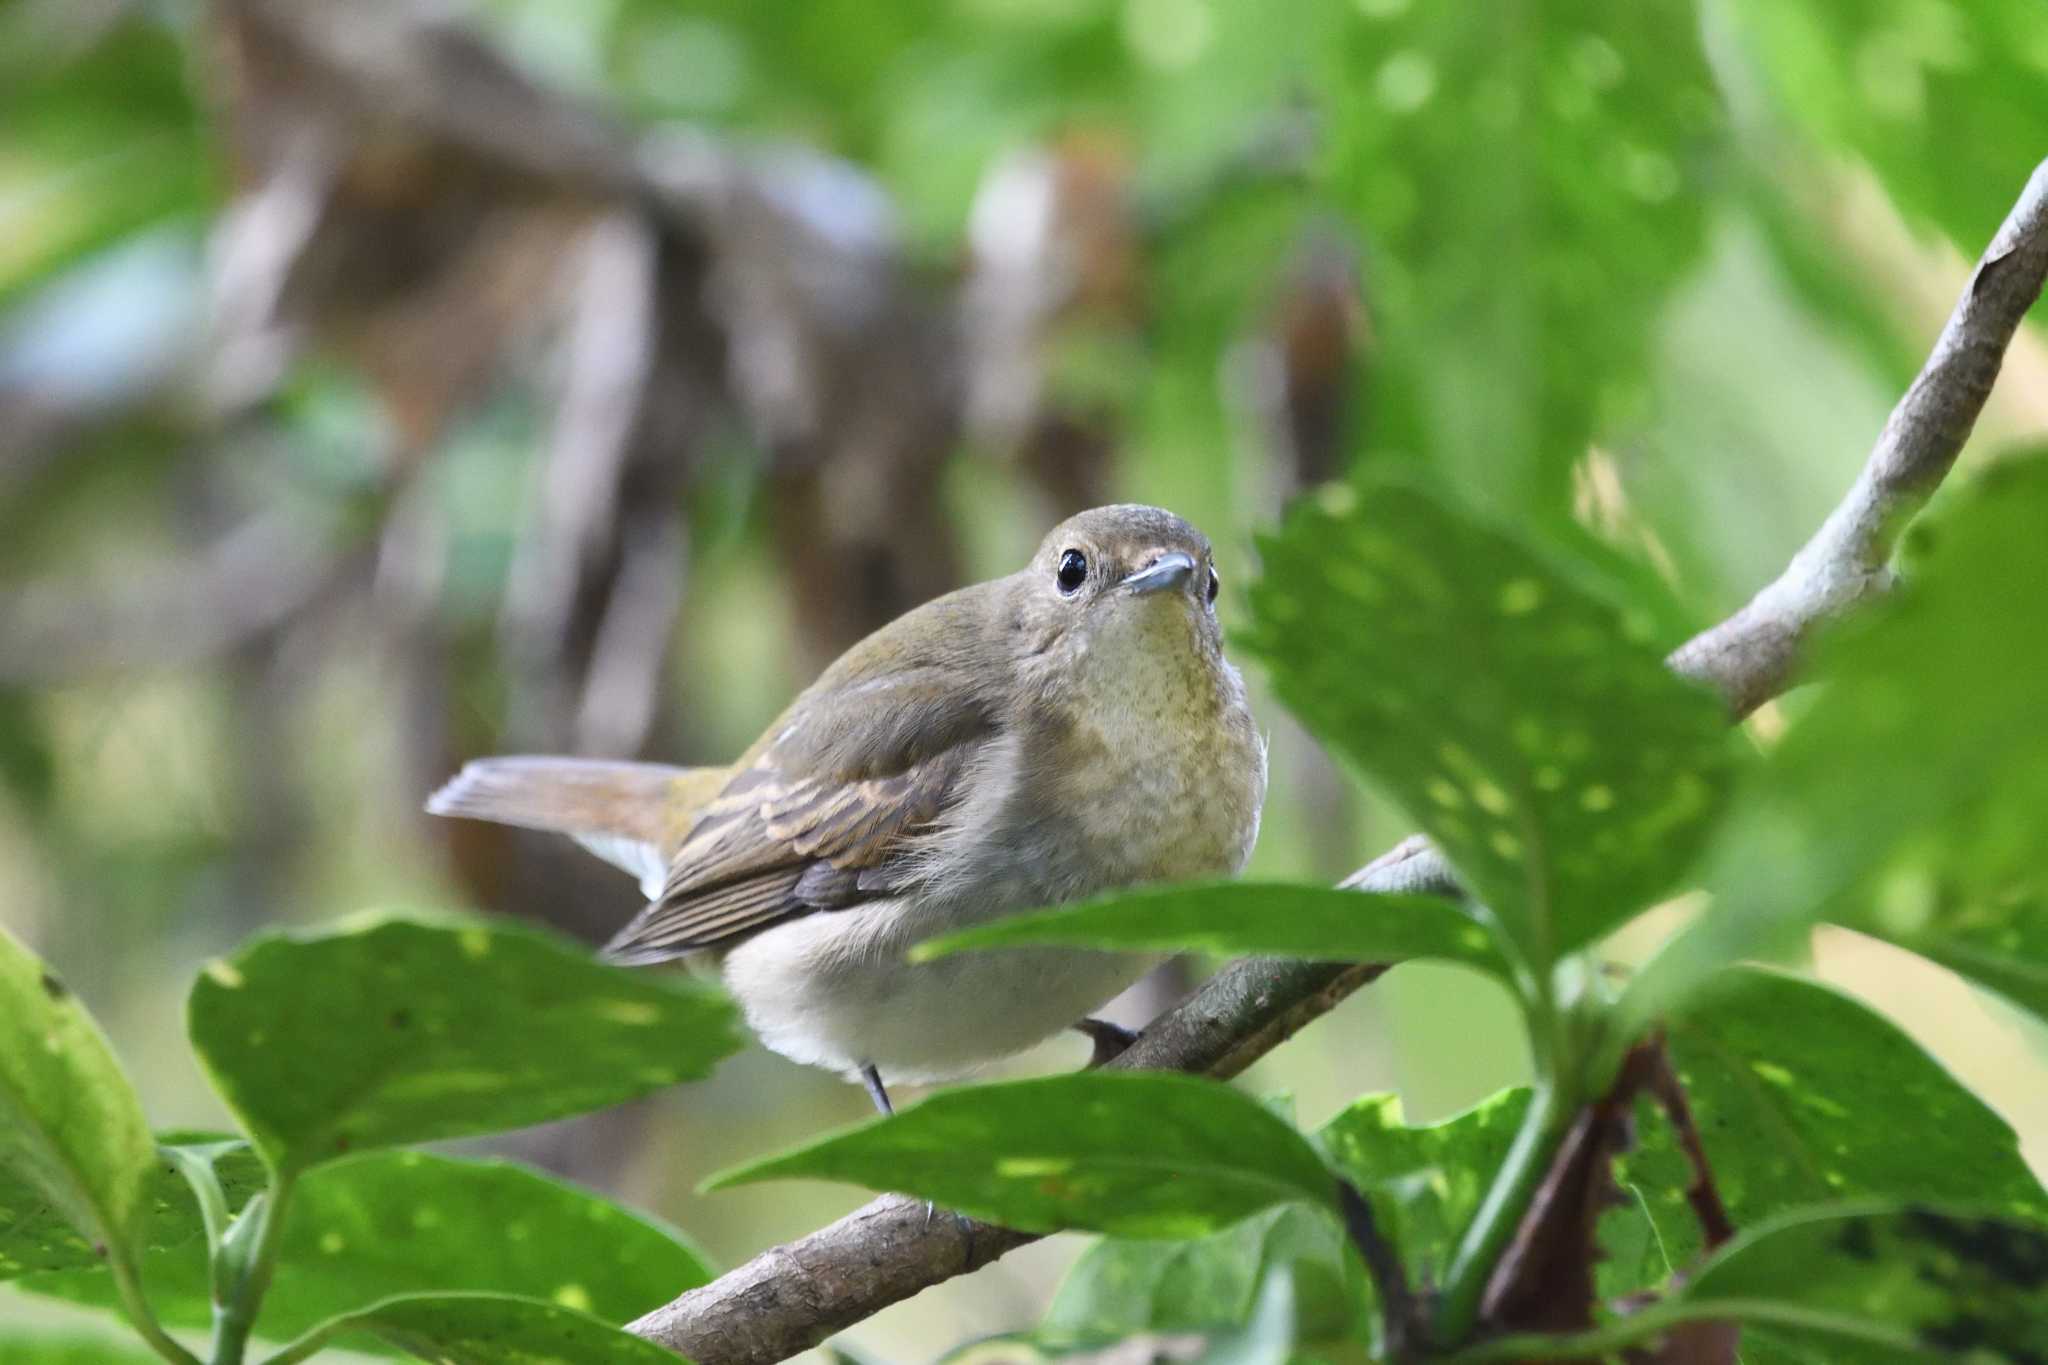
pixel 1110 1040
pixel 872 1079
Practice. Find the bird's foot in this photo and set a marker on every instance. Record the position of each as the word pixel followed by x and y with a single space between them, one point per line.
pixel 872 1079
pixel 1110 1040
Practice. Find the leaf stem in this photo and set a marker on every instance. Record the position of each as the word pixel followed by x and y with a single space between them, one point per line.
pixel 206 1189
pixel 1550 1114
pixel 306 1346
pixel 141 1316
pixel 240 1284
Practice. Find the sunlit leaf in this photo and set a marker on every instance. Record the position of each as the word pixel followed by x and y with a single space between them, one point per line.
pixel 1563 770
pixel 1140 1155
pixel 394 1030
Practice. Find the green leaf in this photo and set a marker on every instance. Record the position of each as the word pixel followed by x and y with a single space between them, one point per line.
pixel 397 1030
pixel 1535 186
pixel 24 1346
pixel 1911 801
pixel 494 1329
pixel 1134 1154
pixel 1426 1182
pixel 39 1239
pixel 72 1136
pixel 1270 1330
pixel 1234 918
pixel 1802 1096
pixel 1868 1284
pixel 1938 1286
pixel 1556 762
pixel 389 1223
pixel 1941 100
pixel 1121 1286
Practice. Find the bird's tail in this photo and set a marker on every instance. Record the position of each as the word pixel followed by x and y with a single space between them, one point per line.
pixel 632 815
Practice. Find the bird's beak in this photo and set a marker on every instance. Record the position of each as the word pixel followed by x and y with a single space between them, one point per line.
pixel 1170 570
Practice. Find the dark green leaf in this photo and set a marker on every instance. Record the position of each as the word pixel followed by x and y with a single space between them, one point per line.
pixel 1425 1183
pixel 1557 763
pixel 1134 1154
pixel 402 1030
pixel 1123 1286
pixel 1235 918
pixel 1941 100
pixel 72 1137
pixel 492 1329
pixel 1872 1285
pixel 1535 186
pixel 389 1223
pixel 1936 1286
pixel 1802 1097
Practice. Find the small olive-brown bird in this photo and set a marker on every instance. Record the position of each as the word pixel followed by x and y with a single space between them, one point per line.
pixel 1068 730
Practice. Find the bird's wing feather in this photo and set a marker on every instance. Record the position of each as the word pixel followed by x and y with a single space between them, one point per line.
pixel 823 814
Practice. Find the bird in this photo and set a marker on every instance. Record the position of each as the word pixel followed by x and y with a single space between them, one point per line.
pixel 1066 731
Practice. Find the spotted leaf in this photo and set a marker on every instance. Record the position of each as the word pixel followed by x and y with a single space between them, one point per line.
pixel 393 1030
pixel 1565 772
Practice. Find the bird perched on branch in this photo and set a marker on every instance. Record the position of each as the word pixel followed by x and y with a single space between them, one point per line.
pixel 1068 730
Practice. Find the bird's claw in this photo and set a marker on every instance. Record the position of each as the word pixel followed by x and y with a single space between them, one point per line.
pixel 1110 1040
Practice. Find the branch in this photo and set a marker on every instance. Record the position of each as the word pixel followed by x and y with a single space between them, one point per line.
pixel 792 1297
pixel 1751 657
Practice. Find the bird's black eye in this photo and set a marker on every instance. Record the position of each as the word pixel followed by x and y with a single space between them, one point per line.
pixel 1073 572
pixel 1215 586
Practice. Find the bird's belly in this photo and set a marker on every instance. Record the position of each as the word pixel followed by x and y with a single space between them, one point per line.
pixel 834 990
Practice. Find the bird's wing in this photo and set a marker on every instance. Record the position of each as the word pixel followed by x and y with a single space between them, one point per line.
pixel 822 816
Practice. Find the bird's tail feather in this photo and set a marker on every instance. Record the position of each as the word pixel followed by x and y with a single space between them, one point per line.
pixel 632 815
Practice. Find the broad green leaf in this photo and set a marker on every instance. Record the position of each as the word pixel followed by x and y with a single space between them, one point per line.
pixel 1235 918
pixel 1424 1183
pixel 1122 1286
pixel 494 1329
pixel 1802 1097
pixel 1943 101
pixel 1911 801
pixel 1534 185
pixel 25 1346
pixel 389 1223
pixel 1134 1154
pixel 394 1030
pixel 1556 762
pixel 72 1136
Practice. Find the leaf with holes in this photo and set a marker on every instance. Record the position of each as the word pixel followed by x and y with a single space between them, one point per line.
pixel 1557 763
pixel 73 1143
pixel 1236 918
pixel 1424 1182
pixel 1121 1286
pixel 388 1223
pixel 1139 1155
pixel 394 1030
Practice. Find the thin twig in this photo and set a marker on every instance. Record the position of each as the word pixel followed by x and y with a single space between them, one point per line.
pixel 792 1297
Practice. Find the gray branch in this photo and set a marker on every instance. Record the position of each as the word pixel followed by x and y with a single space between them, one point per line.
pixel 792 1297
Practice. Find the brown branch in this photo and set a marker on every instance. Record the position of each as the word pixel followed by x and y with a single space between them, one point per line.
pixel 792 1297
